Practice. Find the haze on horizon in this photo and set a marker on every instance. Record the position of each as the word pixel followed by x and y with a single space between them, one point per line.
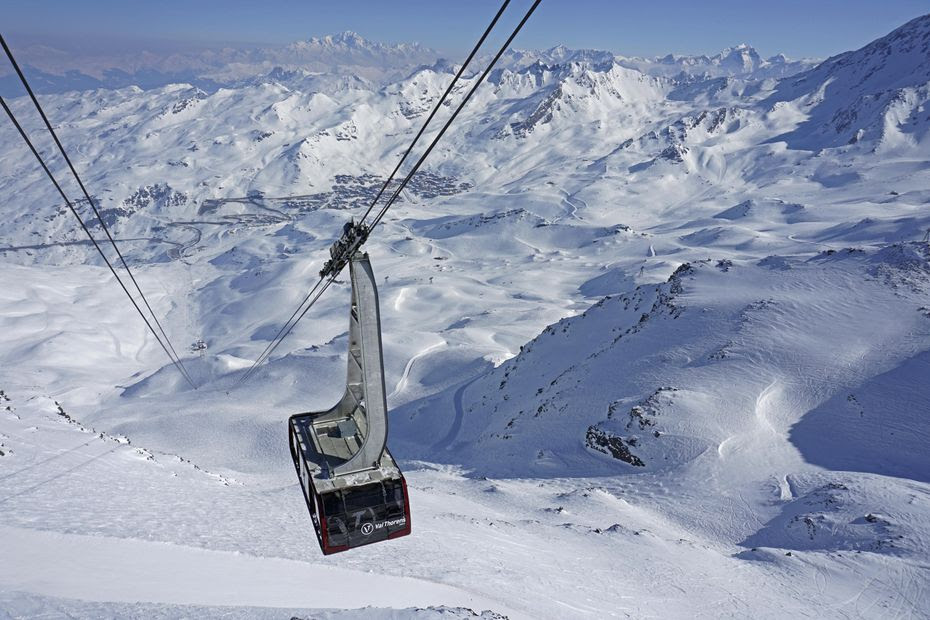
pixel 794 28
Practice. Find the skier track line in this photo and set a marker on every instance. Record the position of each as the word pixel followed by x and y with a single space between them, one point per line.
pixel 445 442
pixel 402 382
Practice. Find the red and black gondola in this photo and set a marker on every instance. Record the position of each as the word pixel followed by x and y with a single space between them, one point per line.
pixel 353 487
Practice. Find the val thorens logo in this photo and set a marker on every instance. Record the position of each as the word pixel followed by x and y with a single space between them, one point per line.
pixel 368 528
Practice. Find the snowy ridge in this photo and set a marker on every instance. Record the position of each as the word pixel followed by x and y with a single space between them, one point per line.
pixel 552 393
pixel 346 54
pixel 739 61
pixel 876 93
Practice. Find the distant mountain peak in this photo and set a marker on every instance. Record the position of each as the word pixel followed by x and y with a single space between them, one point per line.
pixel 742 57
pixel 348 38
pixel 737 48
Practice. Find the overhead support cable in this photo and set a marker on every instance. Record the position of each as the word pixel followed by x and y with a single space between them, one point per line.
pixel 109 265
pixel 271 345
pixel 461 105
pixel 175 358
pixel 288 327
pixel 438 105
pixel 329 275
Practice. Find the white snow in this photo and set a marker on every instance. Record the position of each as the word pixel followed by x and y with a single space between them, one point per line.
pixel 126 571
pixel 656 342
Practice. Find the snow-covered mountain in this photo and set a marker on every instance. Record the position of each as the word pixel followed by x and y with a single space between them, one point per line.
pixel 656 338
pixel 55 70
pixel 739 61
pixel 878 93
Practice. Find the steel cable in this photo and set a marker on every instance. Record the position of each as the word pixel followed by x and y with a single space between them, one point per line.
pixel 271 345
pixel 275 344
pixel 48 172
pixel 438 105
pixel 461 105
pixel 90 201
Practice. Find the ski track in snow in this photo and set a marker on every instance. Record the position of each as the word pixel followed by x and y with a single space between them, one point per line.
pixel 763 430
pixel 402 382
pixel 457 420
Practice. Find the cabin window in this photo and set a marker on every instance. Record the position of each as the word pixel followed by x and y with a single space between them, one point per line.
pixel 364 497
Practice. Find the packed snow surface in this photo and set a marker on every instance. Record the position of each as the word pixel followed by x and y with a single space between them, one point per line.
pixel 656 340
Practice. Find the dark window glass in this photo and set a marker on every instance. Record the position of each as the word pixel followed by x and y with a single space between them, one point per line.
pixel 371 514
pixel 337 531
pixel 332 503
pixel 395 510
pixel 395 498
pixel 368 496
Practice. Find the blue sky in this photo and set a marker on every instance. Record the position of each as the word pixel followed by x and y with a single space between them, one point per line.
pixel 813 28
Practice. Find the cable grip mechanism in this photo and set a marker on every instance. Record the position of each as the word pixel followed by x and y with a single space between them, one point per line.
pixel 353 236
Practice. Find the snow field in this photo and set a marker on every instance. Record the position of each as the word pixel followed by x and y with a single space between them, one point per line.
pixel 590 428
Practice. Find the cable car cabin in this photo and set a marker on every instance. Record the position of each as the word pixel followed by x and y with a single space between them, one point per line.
pixel 354 490
pixel 347 511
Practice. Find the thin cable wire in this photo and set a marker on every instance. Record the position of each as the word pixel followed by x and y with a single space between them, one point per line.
pixel 48 172
pixel 442 131
pixel 438 105
pixel 331 279
pixel 77 177
pixel 261 357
